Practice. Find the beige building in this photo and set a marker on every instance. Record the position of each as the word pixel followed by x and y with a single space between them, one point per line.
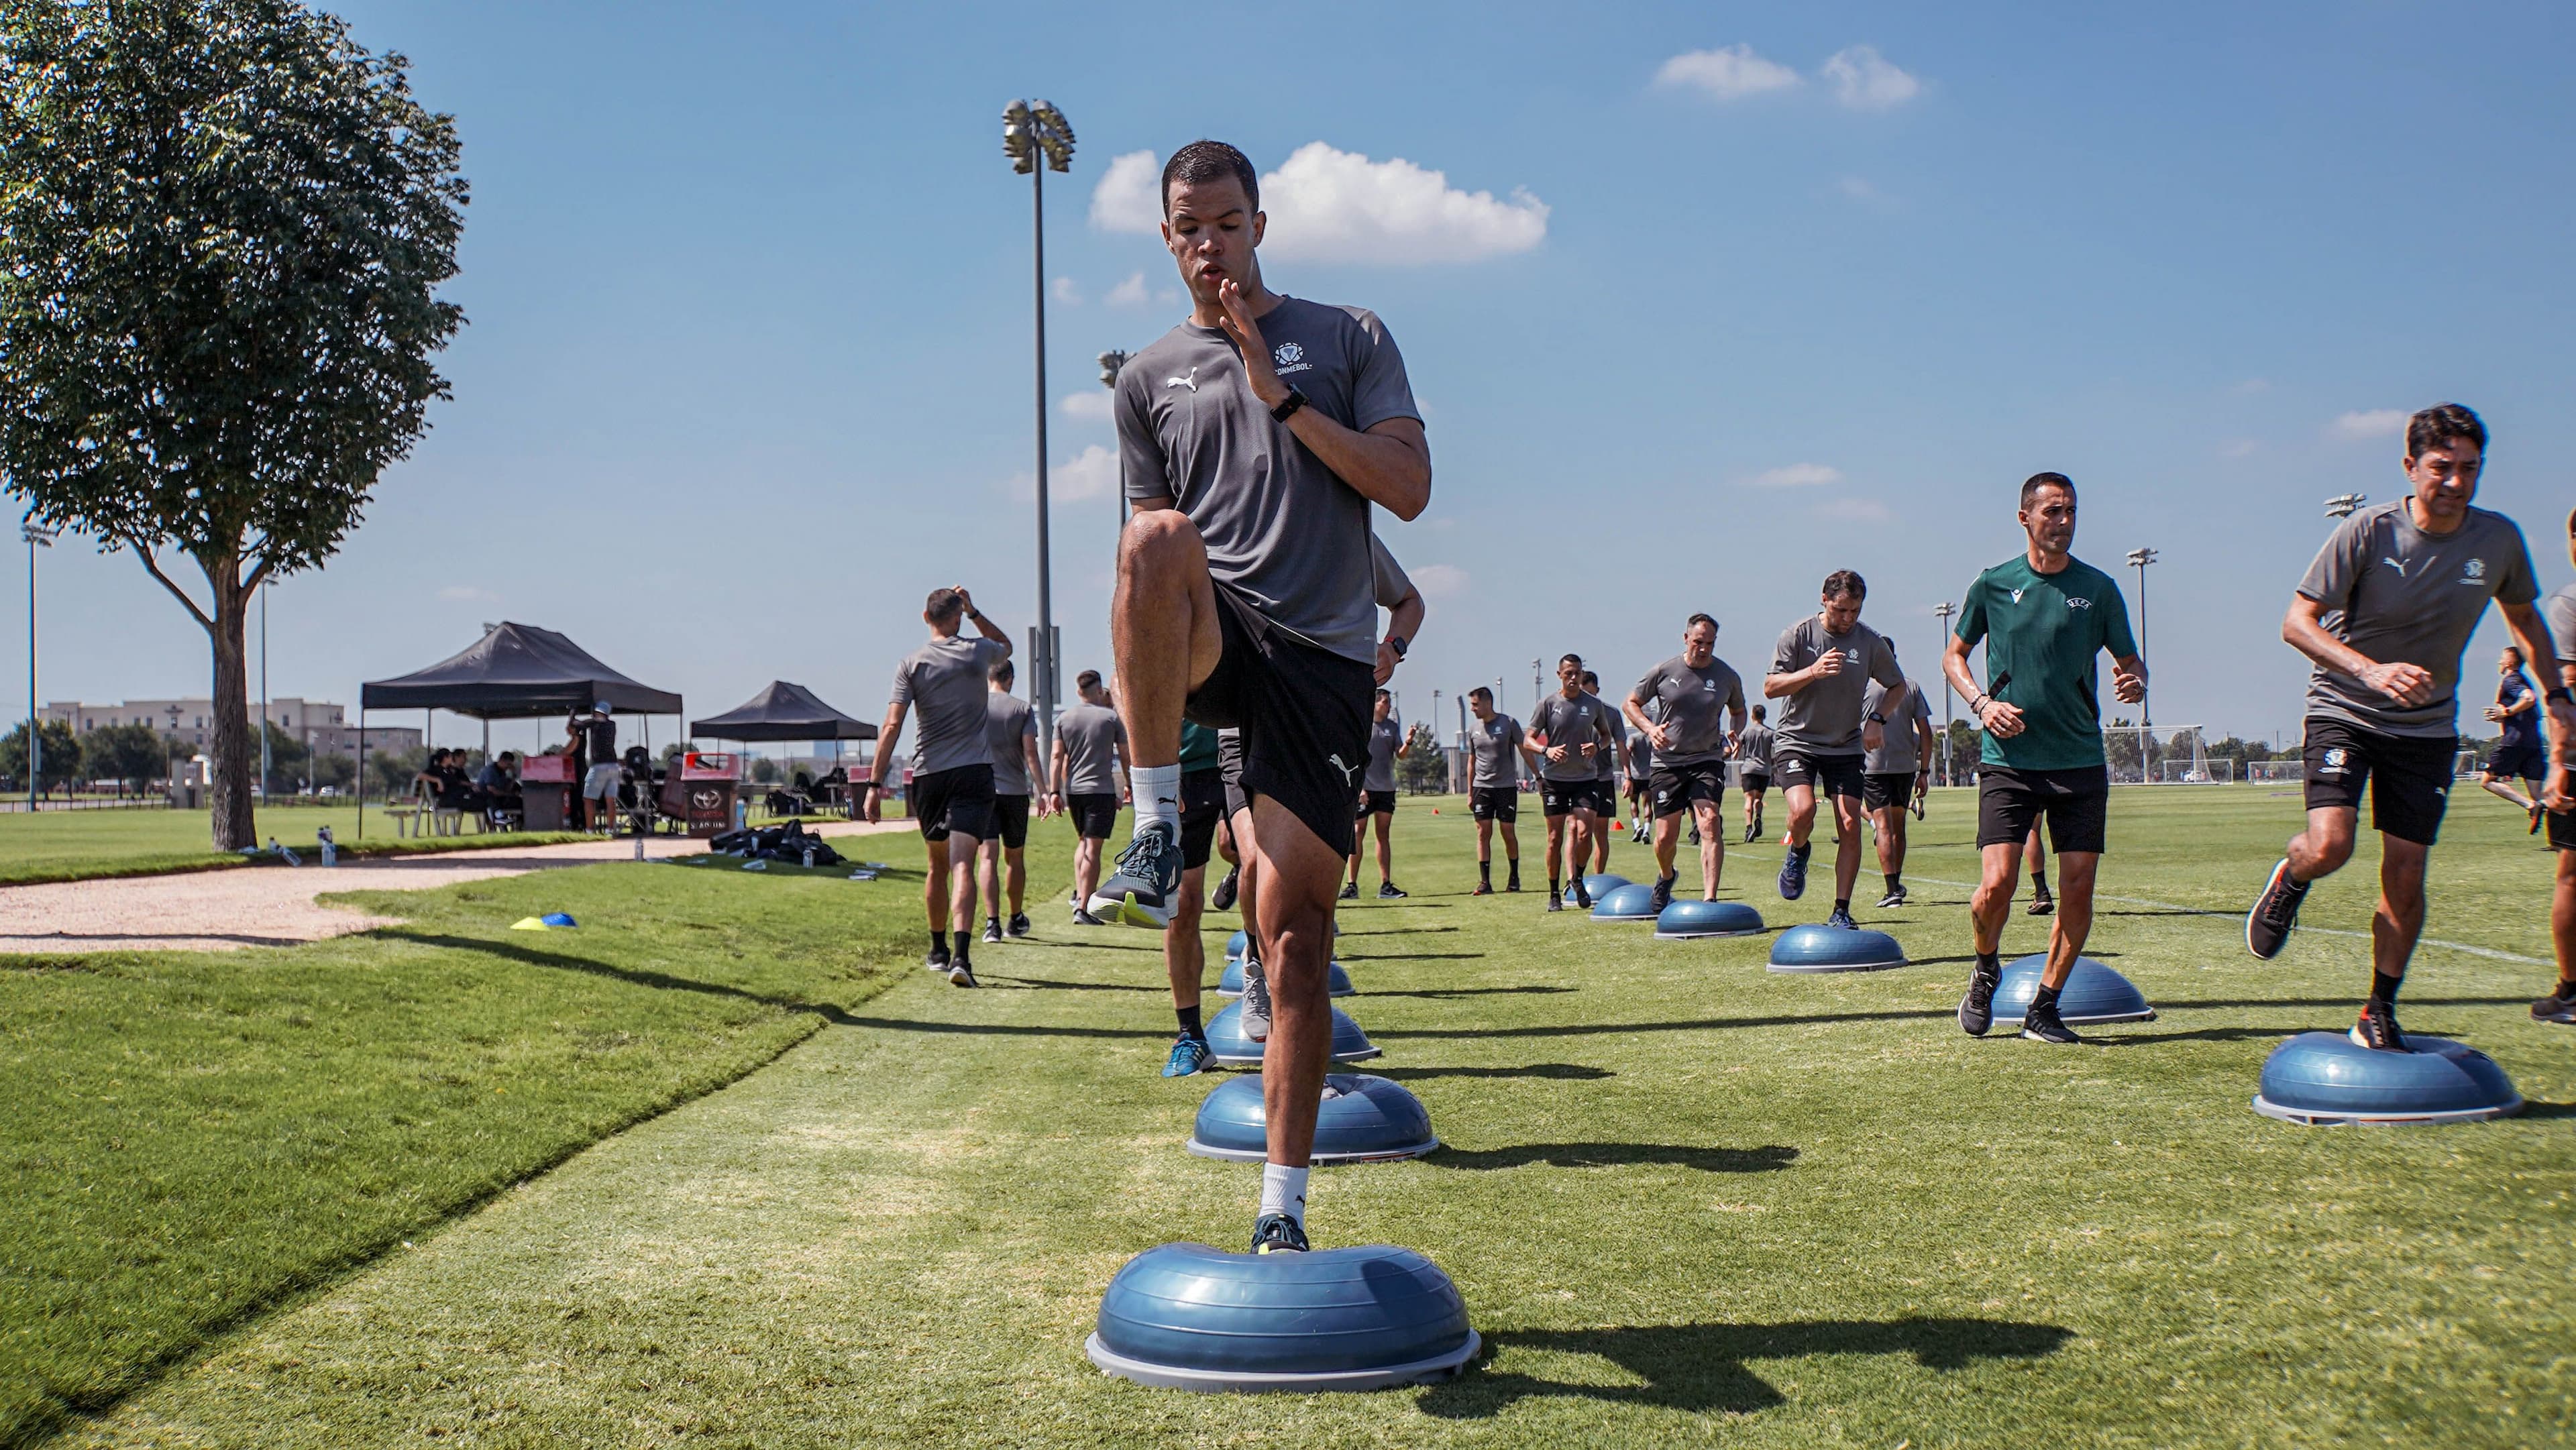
pixel 323 727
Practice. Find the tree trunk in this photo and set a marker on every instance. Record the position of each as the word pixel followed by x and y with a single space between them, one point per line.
pixel 229 778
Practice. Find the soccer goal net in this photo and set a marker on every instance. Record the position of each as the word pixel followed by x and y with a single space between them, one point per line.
pixel 2464 765
pixel 2218 770
pixel 2162 755
pixel 2274 772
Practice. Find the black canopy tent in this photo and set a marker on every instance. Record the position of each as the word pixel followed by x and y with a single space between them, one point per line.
pixel 782 711
pixel 514 672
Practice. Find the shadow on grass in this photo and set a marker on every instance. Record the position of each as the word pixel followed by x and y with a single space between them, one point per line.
pixel 1769 1159
pixel 1156 948
pixel 1054 984
pixel 1416 957
pixel 1443 994
pixel 2547 1110
pixel 1347 933
pixel 659 981
pixel 1558 1071
pixel 1704 1368
pixel 1696 1024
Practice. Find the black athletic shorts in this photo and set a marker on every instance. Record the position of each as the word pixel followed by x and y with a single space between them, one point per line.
pixel 1010 821
pixel 1095 815
pixel 958 799
pixel 1561 797
pixel 2526 761
pixel 2562 824
pixel 1605 795
pixel 1676 787
pixel 1495 803
pixel 1833 775
pixel 1879 788
pixel 1375 803
pixel 2076 801
pixel 2409 776
pixel 1202 805
pixel 1229 763
pixel 1755 782
pixel 1304 713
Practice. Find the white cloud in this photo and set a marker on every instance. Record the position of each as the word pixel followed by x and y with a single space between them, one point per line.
pixel 1797 475
pixel 2375 423
pixel 1863 80
pixel 1125 199
pixel 1091 406
pixel 1855 511
pixel 1728 73
pixel 1130 293
pixel 1067 293
pixel 1339 206
pixel 2239 448
pixel 1439 581
pixel 1092 473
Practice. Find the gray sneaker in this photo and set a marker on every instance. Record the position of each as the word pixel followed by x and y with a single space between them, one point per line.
pixel 1256 1000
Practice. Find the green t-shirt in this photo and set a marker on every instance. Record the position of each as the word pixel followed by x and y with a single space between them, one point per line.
pixel 2042 632
pixel 1198 747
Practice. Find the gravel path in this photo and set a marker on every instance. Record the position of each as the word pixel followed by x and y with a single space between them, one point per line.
pixel 259 906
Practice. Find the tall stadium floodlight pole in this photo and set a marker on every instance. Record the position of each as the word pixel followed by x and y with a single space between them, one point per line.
pixel 1536 694
pixel 2341 505
pixel 2141 558
pixel 1942 612
pixel 37 537
pixel 263 693
pixel 1029 133
pixel 1110 362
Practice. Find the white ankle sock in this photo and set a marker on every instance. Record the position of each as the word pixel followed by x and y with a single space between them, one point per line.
pixel 1158 795
pixel 1283 1190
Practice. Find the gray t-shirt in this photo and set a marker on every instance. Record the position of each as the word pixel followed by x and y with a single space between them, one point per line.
pixel 1618 750
pixel 1089 733
pixel 1387 580
pixel 1008 725
pixel 943 685
pixel 1693 705
pixel 1494 745
pixel 2400 595
pixel 1282 530
pixel 1641 752
pixel 1570 723
pixel 1753 748
pixel 1902 750
pixel 1824 718
pixel 2559 613
pixel 1385 738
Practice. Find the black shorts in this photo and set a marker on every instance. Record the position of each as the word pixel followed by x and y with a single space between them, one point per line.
pixel 1677 787
pixel 2526 761
pixel 2409 776
pixel 1095 814
pixel 2076 801
pixel 1882 788
pixel 1304 713
pixel 959 800
pixel 1375 803
pixel 1229 763
pixel 1605 796
pixel 1755 782
pixel 1495 803
pixel 1833 775
pixel 1202 805
pixel 2562 824
pixel 1561 797
pixel 1010 821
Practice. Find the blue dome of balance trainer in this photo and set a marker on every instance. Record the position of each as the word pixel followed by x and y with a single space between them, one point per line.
pixel 2094 993
pixel 1603 884
pixel 1362 1119
pixel 1187 1316
pixel 1684 920
pixel 1336 981
pixel 1624 903
pixel 1235 944
pixel 1233 1049
pixel 2322 1078
pixel 1834 949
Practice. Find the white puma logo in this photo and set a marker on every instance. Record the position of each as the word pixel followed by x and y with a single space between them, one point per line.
pixel 1336 759
pixel 1191 382
pixel 2394 564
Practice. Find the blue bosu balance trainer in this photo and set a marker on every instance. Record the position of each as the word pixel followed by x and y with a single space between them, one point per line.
pixel 1191 1317
pixel 1235 944
pixel 1624 903
pixel 1834 949
pixel 2094 994
pixel 1233 1049
pixel 2325 1078
pixel 1687 920
pixel 1361 1119
pixel 1338 982
pixel 1603 884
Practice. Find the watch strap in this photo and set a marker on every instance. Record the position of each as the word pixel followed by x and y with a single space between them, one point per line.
pixel 1288 406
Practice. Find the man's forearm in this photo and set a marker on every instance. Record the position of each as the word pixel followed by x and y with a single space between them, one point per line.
pixel 1390 470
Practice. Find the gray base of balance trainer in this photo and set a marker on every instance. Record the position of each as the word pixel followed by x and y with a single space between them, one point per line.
pixel 2325 1079
pixel 1360 1119
pixel 1629 901
pixel 1691 920
pixel 1337 983
pixel 1810 949
pixel 1232 1049
pixel 1188 1316
pixel 2094 994
pixel 1251 1382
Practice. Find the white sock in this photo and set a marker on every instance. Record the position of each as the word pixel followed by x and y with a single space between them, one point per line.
pixel 1283 1190
pixel 1158 795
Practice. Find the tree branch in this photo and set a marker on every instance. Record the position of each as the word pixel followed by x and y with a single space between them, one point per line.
pixel 153 566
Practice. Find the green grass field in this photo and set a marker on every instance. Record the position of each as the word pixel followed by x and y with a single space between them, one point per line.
pixel 87 845
pixel 1688 1201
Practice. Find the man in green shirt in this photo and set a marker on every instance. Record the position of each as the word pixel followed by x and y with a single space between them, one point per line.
pixel 2043 617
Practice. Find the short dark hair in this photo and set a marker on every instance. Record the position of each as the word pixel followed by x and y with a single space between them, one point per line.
pixel 1575 660
pixel 1696 620
pixel 2038 481
pixel 1000 673
pixel 1384 693
pixel 1591 681
pixel 1844 581
pixel 2443 423
pixel 1203 161
pixel 1086 680
pixel 943 605
pixel 1761 714
pixel 1481 690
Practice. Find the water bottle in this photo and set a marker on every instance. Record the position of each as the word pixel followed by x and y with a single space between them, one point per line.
pixel 330 848
pixel 809 858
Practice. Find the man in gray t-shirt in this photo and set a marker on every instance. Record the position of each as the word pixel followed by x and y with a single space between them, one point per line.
pixel 1568 730
pixel 2384 612
pixel 951 792
pixel 1892 776
pixel 1605 773
pixel 1753 747
pixel 1494 749
pixel 1687 706
pixel 1090 756
pixel 1377 796
pixel 1011 734
pixel 1819 670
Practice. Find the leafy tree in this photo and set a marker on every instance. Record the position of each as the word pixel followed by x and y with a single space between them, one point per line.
pixel 221 224
pixel 286 757
pixel 337 772
pixel 130 754
pixel 765 771
pixel 1423 770
pixel 62 752
pixel 391 771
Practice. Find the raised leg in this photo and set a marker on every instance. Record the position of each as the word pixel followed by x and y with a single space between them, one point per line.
pixel 1163 630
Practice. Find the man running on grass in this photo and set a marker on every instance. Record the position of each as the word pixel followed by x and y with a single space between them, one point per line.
pixel 1494 749
pixel 1638 762
pixel 1819 670
pixel 1566 731
pixel 2384 611
pixel 1253 440
pixel 1377 796
pixel 1203 805
pixel 1753 747
pixel 2043 616
pixel 1605 784
pixel 951 794
pixel 1893 778
pixel 1011 734
pixel 1091 771
pixel 1686 708
pixel 2558 611
pixel 2518 754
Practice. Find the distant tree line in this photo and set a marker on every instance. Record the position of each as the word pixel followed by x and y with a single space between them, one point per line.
pixel 133 756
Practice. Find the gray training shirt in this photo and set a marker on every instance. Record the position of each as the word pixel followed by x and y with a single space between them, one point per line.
pixel 1008 723
pixel 1824 718
pixel 1088 732
pixel 1693 705
pixel 1385 738
pixel 1753 748
pixel 1570 723
pixel 1618 750
pixel 1902 752
pixel 2559 613
pixel 2400 595
pixel 1283 531
pixel 942 684
pixel 1495 747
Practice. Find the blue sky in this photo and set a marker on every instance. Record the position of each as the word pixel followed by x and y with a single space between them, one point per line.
pixel 1726 297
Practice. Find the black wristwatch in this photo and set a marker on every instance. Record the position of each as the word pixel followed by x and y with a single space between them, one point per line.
pixel 1876 718
pixel 1397 643
pixel 1288 406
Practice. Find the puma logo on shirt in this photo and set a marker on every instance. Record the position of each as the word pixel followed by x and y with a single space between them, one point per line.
pixel 1191 382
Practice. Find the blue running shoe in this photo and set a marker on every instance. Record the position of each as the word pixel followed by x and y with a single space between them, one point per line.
pixel 1793 873
pixel 1148 879
pixel 1189 1054
pixel 1277 1233
pixel 1843 919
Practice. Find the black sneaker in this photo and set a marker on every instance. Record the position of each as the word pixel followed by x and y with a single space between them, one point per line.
pixel 1751 831
pixel 1514 884
pixel 1977 1009
pixel 936 959
pixel 1581 893
pixel 2267 926
pixel 1555 899
pixel 2042 1024
pixel 1256 1001
pixel 1843 919
pixel 2554 1007
pixel 1793 874
pixel 1389 891
pixel 1894 898
pixel 1350 891
pixel 2041 903
pixel 1663 896
pixel 993 929
pixel 1140 892
pixel 961 973
pixel 2377 1029
pixel 1483 888
pixel 1277 1233
pixel 1019 926
pixel 1222 899
pixel 1084 918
